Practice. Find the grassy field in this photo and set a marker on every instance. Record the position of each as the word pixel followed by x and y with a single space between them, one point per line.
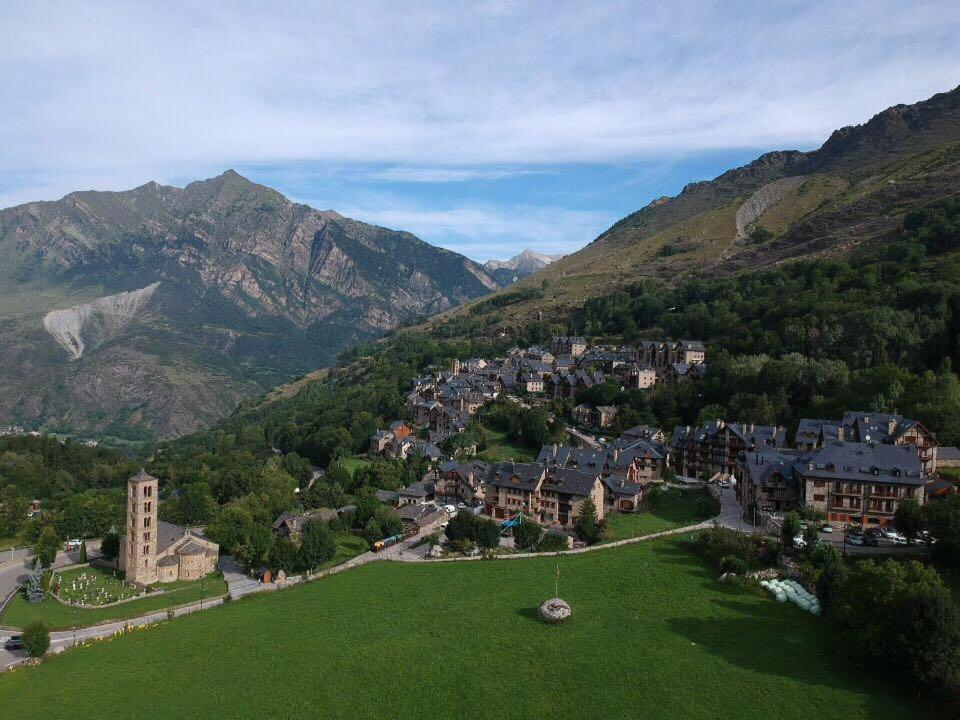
pixel 348 547
pixel 653 635
pixel 675 509
pixel 500 449
pixel 9 542
pixel 352 464
pixel 58 616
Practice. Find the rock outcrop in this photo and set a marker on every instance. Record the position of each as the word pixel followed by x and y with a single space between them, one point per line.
pixel 761 201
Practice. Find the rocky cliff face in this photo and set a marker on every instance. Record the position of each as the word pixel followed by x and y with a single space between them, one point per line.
pixel 224 279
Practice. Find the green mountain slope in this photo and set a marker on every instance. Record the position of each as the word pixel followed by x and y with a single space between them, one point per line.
pixel 853 191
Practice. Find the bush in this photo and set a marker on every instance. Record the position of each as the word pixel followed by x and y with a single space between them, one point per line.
pixel 790 528
pixel 716 543
pixel 527 534
pixel 110 546
pixel 316 545
pixel 486 534
pixel 36 639
pixel 732 564
pixel 553 542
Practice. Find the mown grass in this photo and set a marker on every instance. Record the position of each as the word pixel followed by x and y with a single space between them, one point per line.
pixel 352 464
pixel 671 510
pixel 348 547
pixel 58 616
pixel 653 635
pixel 500 449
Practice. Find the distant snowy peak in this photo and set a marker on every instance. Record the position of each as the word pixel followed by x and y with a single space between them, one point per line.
pixel 526 263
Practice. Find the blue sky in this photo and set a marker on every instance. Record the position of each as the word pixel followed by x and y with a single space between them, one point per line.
pixel 485 127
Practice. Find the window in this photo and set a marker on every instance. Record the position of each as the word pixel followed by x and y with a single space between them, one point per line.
pixel 146 537
pixel 146 522
pixel 147 506
pixel 819 498
pixel 146 549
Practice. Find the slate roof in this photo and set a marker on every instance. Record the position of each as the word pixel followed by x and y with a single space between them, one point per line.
pixel 502 475
pixel 168 534
pixel 863 462
pixel 571 481
pixel 948 453
pixel 761 466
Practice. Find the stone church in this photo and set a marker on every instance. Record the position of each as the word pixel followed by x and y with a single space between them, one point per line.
pixel 154 551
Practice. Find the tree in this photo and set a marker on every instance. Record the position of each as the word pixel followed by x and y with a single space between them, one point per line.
pixel 372 532
pixel 908 518
pixel 586 524
pixel 833 573
pixel 36 639
pixel 553 542
pixel 35 591
pixel 110 545
pixel 460 526
pixel 811 535
pixel 252 552
pixel 83 551
pixel 790 529
pixel 927 639
pixel 47 546
pixel 13 511
pixel 316 545
pixel 942 519
pixel 283 555
pixel 527 534
pixel 486 533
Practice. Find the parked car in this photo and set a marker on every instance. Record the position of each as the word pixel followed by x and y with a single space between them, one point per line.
pixel 73 544
pixel 14 642
pixel 799 542
pixel 853 539
pixel 826 528
pixel 871 540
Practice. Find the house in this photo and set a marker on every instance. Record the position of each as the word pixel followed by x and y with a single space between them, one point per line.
pixel 153 551
pixel 416 518
pixel 636 376
pixel 622 495
pixel 291 524
pixel 600 416
pixel 714 447
pixel 530 383
pixel 861 482
pixel 766 481
pixel 645 432
pixel 380 441
pixel 864 427
pixel 388 497
pixel 690 352
pixel 553 496
pixel 400 429
pixel 461 482
pixel 418 493
pixel 573 346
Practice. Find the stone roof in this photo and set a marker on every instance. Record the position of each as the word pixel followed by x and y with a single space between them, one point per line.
pixel 168 561
pixel 571 481
pixel 168 534
pixel 192 548
pixel 863 462
pixel 524 476
pixel 142 476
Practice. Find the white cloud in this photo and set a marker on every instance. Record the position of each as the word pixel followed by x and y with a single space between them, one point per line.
pixel 100 89
pixel 485 232
pixel 448 174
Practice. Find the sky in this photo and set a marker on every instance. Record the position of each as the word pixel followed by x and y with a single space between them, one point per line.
pixel 483 127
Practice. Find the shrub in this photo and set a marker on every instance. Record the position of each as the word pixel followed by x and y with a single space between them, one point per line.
pixel 486 534
pixel 790 528
pixel 34 590
pixel 527 534
pixel 36 639
pixel 553 542
pixel 110 546
pixel 717 543
pixel 316 545
pixel 732 564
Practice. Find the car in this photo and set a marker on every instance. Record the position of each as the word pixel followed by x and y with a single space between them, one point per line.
pixel 73 544
pixel 826 528
pixel 853 539
pixel 871 540
pixel 461 505
pixel 450 509
pixel 799 542
pixel 14 642
pixel 443 525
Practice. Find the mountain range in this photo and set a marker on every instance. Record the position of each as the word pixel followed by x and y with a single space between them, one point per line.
pixel 152 312
pixel 519 266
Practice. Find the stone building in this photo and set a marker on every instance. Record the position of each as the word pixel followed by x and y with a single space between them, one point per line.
pixel 153 551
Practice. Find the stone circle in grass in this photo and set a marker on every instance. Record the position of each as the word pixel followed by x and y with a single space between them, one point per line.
pixel 554 610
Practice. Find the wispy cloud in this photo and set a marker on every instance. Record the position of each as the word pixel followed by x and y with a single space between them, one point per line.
pixel 449 174
pixel 486 232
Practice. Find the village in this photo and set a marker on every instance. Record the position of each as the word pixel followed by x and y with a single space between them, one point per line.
pixel 852 471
